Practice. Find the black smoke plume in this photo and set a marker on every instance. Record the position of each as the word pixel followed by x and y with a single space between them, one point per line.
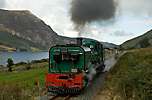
pixel 83 11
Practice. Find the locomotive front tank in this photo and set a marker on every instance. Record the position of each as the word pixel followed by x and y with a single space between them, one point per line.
pixel 67 65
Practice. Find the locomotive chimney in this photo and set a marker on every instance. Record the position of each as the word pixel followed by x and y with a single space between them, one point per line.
pixel 79 41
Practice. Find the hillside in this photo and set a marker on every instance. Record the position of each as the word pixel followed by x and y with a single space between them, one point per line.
pixel 130 78
pixel 25 25
pixel 9 42
pixel 142 41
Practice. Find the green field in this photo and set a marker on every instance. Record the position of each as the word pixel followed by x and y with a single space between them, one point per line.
pixel 25 78
pixel 22 84
pixel 131 77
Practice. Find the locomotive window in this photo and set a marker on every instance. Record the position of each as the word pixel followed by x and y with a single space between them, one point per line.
pixel 70 57
pixel 91 46
pixel 65 56
pixel 74 57
pixel 57 57
pixel 96 47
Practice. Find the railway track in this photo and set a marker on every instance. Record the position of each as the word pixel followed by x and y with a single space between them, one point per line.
pixel 53 97
pixel 58 97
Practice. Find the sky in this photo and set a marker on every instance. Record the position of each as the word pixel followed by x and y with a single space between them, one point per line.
pixel 132 18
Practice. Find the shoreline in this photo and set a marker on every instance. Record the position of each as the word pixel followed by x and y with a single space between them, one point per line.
pixel 19 65
pixel 18 57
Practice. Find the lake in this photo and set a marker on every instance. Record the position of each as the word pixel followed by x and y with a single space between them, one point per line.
pixel 22 56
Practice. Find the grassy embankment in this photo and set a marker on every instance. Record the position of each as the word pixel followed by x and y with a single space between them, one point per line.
pixel 130 78
pixel 21 85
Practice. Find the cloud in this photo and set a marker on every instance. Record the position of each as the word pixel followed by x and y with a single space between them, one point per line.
pixel 121 33
pixel 2 3
pixel 134 7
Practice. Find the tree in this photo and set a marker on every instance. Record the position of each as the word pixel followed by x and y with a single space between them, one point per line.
pixel 10 63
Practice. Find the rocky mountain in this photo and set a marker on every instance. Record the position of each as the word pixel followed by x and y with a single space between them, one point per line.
pixel 142 41
pixel 25 25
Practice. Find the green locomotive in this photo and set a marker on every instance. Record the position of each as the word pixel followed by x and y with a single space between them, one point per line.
pixel 73 66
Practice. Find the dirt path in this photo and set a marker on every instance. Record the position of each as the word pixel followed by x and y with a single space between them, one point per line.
pixel 110 62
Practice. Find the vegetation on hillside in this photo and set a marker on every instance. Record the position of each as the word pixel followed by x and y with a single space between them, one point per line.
pixel 131 77
pixel 142 41
pixel 18 43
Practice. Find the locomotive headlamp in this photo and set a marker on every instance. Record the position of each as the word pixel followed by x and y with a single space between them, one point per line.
pixel 74 70
pixel 87 71
pixel 91 46
pixel 80 53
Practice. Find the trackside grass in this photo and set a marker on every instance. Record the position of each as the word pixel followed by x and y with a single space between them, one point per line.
pixel 131 77
pixel 20 85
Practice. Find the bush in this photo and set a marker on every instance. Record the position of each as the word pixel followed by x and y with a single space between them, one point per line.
pixel 39 61
pixel 28 66
pixel 10 63
pixel 132 75
pixel 12 92
pixel 20 63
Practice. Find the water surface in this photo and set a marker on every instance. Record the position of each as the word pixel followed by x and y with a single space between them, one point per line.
pixel 22 56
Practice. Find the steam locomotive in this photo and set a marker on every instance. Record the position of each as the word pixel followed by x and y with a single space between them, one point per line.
pixel 73 66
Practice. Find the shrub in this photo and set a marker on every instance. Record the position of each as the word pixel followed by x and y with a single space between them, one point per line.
pixel 10 63
pixel 132 75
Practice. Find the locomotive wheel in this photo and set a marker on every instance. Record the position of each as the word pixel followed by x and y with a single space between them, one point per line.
pixel 100 68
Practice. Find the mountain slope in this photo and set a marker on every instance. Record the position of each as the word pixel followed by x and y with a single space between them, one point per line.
pixel 27 26
pixel 9 42
pixel 142 41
